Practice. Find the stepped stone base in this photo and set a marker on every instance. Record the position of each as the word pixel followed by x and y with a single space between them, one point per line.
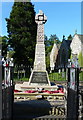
pixel 39 78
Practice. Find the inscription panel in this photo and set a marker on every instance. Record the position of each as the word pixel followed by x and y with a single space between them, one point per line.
pixel 39 77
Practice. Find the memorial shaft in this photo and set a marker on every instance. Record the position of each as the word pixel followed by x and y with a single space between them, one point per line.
pixel 39 63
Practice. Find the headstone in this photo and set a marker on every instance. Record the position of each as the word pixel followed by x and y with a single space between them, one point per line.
pixel 39 74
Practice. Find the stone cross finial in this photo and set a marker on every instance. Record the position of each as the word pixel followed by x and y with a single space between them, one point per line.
pixel 76 31
pixel 40 18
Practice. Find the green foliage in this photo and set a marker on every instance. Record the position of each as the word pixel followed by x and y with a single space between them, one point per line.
pixel 70 37
pixel 80 59
pixel 11 53
pixel 81 76
pixel 57 76
pixel 48 63
pixel 21 79
pixel 4 42
pixel 22 29
pixel 52 76
pixel 54 38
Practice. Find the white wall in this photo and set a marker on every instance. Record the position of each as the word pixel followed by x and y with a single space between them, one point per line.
pixel 76 45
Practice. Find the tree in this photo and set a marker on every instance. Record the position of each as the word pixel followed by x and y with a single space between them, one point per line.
pixel 70 37
pixel 54 38
pixel 4 42
pixel 49 42
pixel 48 46
pixel 22 29
pixel 47 52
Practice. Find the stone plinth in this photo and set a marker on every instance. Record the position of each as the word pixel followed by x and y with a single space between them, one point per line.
pixel 39 78
pixel 39 74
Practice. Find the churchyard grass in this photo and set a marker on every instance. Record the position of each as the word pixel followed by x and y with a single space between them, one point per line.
pixel 57 76
pixel 81 76
pixel 21 79
pixel 52 77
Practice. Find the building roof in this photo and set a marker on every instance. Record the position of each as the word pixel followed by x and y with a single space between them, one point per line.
pixel 68 42
pixel 80 37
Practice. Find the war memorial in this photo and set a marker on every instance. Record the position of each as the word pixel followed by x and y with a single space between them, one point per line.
pixel 39 74
pixel 52 102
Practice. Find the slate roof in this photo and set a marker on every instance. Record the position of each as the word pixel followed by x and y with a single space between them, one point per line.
pixel 80 37
pixel 68 42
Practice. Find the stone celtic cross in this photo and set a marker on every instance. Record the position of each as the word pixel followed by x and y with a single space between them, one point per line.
pixel 39 74
pixel 40 19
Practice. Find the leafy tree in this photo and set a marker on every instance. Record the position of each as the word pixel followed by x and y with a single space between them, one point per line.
pixel 46 41
pixel 4 42
pixel 48 46
pixel 70 37
pixel 49 42
pixel 48 62
pixel 22 29
pixel 54 38
pixel 64 37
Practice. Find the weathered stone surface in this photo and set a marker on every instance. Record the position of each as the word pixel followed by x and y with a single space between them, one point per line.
pixel 53 56
pixel 39 77
pixel 76 45
pixel 39 64
pixel 39 74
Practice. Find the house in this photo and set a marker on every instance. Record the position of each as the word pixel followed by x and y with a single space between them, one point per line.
pixel 53 56
pixel 77 48
pixel 70 49
pixel 63 54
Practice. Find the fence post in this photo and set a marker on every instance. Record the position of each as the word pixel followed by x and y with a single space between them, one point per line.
pixel 73 91
pixel 8 89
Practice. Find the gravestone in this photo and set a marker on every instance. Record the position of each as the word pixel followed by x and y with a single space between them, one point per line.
pixel 39 74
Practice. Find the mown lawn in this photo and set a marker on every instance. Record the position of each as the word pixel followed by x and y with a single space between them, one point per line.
pixel 52 77
pixel 57 76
